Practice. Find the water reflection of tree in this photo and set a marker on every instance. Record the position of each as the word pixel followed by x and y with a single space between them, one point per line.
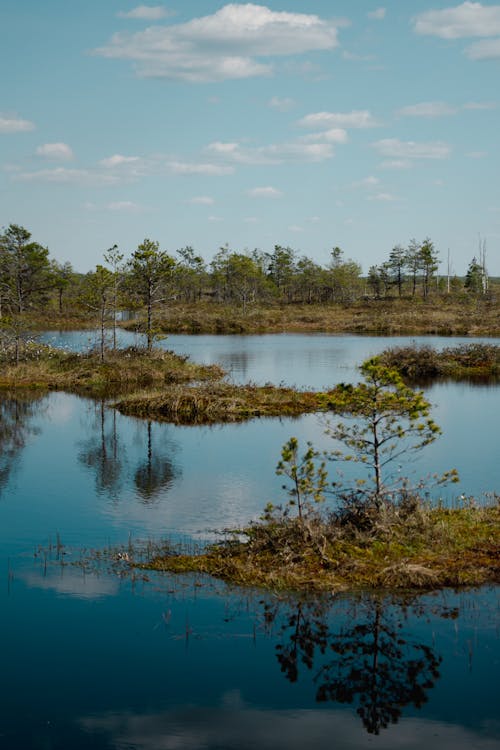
pixel 156 473
pixel 16 415
pixel 369 662
pixel 237 362
pixel 105 453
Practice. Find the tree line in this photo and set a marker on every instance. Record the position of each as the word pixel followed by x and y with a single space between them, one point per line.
pixel 31 280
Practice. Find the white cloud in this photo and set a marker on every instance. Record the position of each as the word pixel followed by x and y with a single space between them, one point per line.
pixel 367 182
pixel 251 220
pixel 202 200
pixel 11 168
pixel 126 206
pixel 224 45
pixel 215 219
pixel 463 21
pixel 428 109
pixel 476 154
pixel 396 164
pixel 282 105
pixel 480 105
pixel 486 49
pixel 118 160
pixel 442 109
pixel 115 206
pixel 265 192
pixel 378 15
pixel 230 149
pixel 383 197
pixel 146 13
pixel 67 176
pixel 273 154
pixel 200 168
pixel 14 124
pixel 357 57
pixel 396 149
pixel 334 135
pixel 295 228
pixel 58 151
pixel 355 119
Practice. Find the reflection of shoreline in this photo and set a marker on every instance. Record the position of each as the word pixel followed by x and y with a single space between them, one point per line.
pixel 17 411
pixel 246 728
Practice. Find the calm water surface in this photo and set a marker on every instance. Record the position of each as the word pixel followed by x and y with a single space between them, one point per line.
pixel 91 660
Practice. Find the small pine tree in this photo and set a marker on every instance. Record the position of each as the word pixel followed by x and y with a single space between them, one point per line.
pixel 308 480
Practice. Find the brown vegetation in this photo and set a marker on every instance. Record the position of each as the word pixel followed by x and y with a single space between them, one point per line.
pixel 410 546
pixel 123 369
pixel 467 316
pixel 212 402
pixel 467 361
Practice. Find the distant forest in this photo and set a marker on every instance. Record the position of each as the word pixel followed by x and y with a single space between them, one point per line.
pixel 30 280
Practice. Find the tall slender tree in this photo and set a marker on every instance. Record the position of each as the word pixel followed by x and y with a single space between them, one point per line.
pixel 429 264
pixel 149 271
pixel 114 259
pixel 412 263
pixel 97 294
pixel 396 265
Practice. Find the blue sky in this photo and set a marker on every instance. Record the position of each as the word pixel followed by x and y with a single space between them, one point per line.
pixel 309 124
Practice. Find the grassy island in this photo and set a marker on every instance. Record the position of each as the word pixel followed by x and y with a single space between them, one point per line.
pixel 411 547
pixel 215 402
pixel 164 386
pixel 122 370
pixel 212 402
pixel 475 362
pixel 380 534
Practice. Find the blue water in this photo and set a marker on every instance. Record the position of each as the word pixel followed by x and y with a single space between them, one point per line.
pixel 306 361
pixel 90 660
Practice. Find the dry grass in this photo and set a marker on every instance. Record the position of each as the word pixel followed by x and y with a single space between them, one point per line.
pixel 467 361
pixel 212 402
pixel 122 370
pixel 445 316
pixel 413 548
